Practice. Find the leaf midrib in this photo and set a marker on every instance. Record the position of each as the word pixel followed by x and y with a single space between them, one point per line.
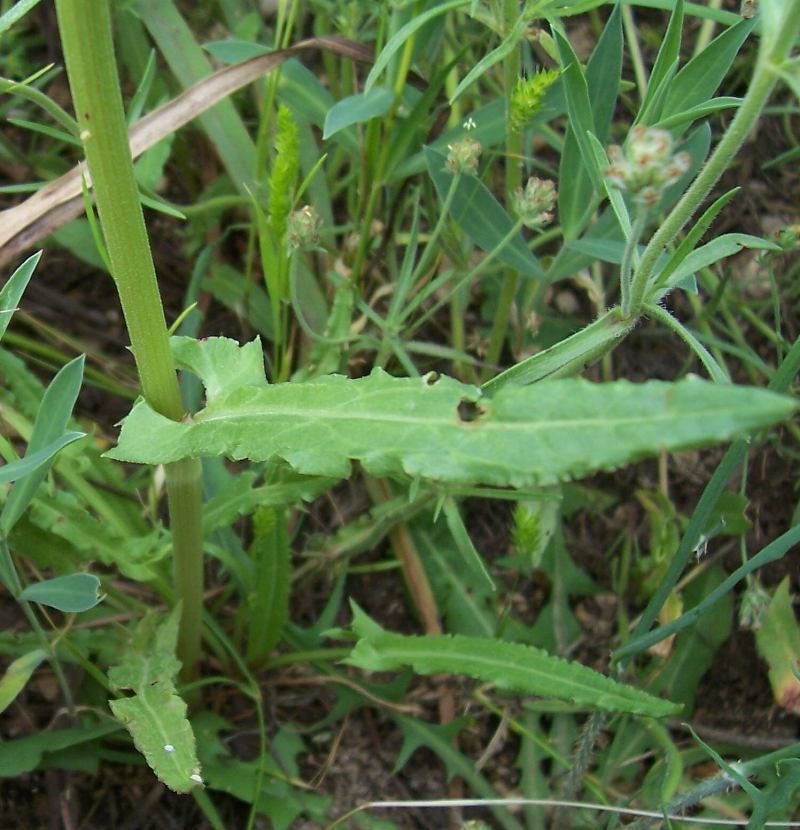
pixel 566 422
pixel 410 654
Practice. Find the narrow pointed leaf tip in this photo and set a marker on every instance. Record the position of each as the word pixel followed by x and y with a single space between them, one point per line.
pixel 440 429
pixel 507 665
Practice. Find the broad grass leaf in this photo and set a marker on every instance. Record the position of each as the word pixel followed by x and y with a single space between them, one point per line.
pixel 224 283
pixel 590 99
pixel 723 246
pixel 462 595
pixel 155 715
pixel 72 593
pixel 233 50
pixel 356 109
pixel 76 236
pixel 697 82
pixel 444 430
pixel 268 599
pixel 26 754
pixel 301 90
pixel 509 44
pixel 481 216
pixel 32 462
pixel 664 68
pixel 49 428
pixel 507 665
pixel 17 675
pixel 188 62
pixel 398 39
pixel 12 291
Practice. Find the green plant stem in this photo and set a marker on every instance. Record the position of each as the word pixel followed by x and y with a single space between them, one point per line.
pixel 184 481
pixel 637 60
pixel 626 266
pixel 395 321
pixel 85 28
pixel 772 53
pixel 508 292
pixel 430 247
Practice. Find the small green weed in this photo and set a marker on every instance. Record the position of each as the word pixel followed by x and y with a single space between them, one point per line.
pixel 402 213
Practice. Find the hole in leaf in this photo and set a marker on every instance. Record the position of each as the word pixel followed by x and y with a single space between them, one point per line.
pixel 469 411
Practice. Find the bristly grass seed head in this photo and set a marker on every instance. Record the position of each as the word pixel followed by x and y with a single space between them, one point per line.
pixel 284 170
pixel 527 96
pixel 646 165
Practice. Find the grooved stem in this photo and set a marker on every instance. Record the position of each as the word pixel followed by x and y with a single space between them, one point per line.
pixel 85 28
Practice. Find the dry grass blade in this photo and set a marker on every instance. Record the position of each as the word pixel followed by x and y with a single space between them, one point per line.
pixel 23 225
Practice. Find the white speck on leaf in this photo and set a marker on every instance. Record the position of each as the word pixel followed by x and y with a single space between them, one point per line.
pixel 169 748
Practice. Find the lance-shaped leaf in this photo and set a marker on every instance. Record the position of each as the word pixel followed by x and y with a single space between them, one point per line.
pixel 155 715
pixel 17 675
pixel 508 665
pixel 444 430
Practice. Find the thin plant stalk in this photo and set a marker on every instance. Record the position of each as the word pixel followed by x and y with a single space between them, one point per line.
pixel 508 291
pixel 470 275
pixel 628 256
pixel 85 28
pixel 378 133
